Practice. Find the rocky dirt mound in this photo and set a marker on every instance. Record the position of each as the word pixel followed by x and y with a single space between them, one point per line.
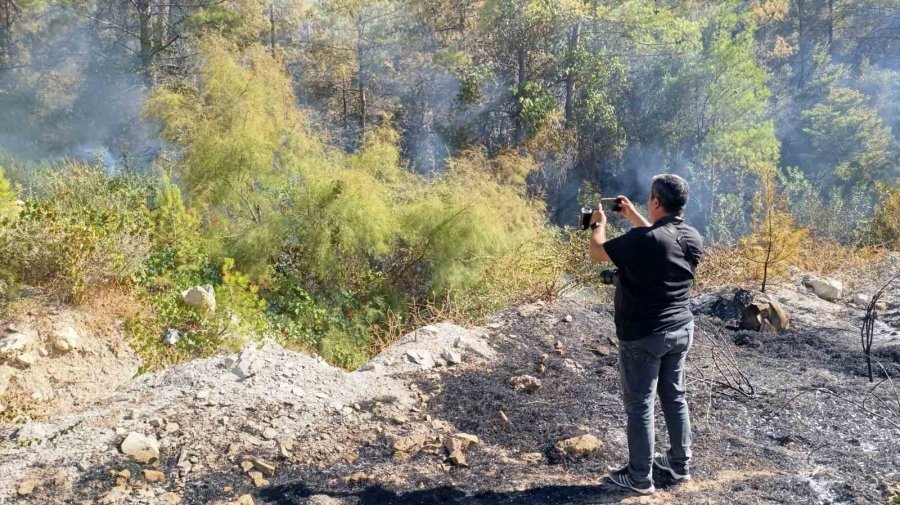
pixel 55 360
pixel 523 410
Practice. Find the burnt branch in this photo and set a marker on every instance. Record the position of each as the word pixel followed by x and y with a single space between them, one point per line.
pixel 867 331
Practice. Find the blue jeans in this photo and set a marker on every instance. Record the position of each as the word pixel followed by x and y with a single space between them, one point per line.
pixel 655 364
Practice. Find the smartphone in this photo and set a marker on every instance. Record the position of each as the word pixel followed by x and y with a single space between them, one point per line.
pixel 611 204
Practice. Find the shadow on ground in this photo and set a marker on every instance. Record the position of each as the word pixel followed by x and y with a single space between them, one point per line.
pixel 549 495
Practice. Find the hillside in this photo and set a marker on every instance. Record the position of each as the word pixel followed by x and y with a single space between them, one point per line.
pixel 273 426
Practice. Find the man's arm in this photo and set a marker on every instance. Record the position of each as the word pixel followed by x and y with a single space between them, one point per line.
pixel 630 212
pixel 598 237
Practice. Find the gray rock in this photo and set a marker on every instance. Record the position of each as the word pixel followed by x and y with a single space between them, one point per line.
pixel 452 357
pixel 420 357
pixel 860 300
pixel 371 366
pixel 246 362
pixel 529 309
pixel 200 297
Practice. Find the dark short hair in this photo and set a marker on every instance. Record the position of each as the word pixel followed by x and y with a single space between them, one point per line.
pixel 671 191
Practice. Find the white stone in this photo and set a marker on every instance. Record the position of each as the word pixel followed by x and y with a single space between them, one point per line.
pixel 826 289
pixel 27 358
pixel 65 338
pixel 15 344
pixel 142 448
pixel 200 297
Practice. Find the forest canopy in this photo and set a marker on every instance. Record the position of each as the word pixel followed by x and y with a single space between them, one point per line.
pixel 331 166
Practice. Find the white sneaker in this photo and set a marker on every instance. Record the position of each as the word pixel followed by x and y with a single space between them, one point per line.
pixel 662 462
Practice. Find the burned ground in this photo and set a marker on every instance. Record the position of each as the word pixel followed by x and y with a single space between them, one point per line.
pixel 796 439
pixel 778 418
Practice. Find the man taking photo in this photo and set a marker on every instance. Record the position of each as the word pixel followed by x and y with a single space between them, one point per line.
pixel 655 261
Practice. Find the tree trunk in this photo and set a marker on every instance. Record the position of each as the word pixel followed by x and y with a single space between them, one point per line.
pixel 522 56
pixel 361 80
pixel 800 45
pixel 830 24
pixel 570 75
pixel 344 104
pixel 161 12
pixel 146 40
pixel 8 11
pixel 272 28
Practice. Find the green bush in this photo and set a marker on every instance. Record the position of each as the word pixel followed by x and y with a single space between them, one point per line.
pixel 83 228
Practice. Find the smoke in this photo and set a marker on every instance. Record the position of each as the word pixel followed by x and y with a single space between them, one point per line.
pixel 71 94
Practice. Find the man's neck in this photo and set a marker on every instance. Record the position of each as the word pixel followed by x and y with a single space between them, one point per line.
pixel 661 217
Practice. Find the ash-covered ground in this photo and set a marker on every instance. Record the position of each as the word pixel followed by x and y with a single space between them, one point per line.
pixel 778 418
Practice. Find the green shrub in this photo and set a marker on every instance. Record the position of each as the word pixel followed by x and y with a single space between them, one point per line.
pixel 84 228
pixel 239 316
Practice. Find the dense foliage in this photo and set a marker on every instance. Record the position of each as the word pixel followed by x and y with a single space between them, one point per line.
pixel 336 168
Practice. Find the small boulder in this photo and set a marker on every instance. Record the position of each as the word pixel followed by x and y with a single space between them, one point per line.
pixel 778 316
pixel 420 357
pixel 457 458
pixel 580 446
pixel 171 336
pixel 826 289
pixel 154 475
pixel 16 343
pixel 26 487
pixel 765 316
pixel 459 442
pixel 529 309
pixel 452 357
pixel 200 297
pixel 258 479
pixel 372 366
pixel 65 338
pixel 410 443
pixel 141 448
pixel 526 383
pixel 245 366
pixel 860 300
pixel 266 468
pixel 27 358
pixel 285 446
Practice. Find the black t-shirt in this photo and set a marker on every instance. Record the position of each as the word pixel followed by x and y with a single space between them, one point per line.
pixel 655 277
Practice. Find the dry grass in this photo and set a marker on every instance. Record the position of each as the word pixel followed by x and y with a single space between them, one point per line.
pixel 726 266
